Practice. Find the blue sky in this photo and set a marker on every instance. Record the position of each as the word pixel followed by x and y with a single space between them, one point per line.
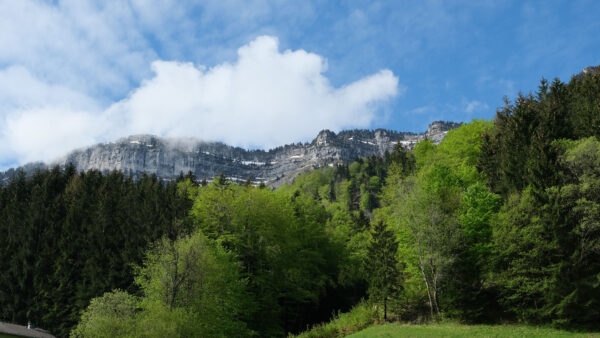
pixel 262 73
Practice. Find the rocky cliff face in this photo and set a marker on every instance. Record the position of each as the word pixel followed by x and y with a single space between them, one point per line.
pixel 167 158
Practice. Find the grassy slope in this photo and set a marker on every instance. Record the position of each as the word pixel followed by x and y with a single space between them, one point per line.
pixel 459 330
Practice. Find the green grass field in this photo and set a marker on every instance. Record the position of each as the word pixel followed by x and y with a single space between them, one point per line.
pixel 459 330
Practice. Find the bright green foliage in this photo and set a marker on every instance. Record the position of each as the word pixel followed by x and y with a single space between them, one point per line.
pixel 461 148
pixel 424 153
pixel 441 217
pixel 471 295
pixel 198 280
pixel 112 315
pixel 478 206
pixel 191 288
pixel 433 233
pixel 281 243
pixel 316 183
pixel 342 324
pixel 349 195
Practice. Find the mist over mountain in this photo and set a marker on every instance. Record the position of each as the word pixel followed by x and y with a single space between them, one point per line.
pixel 169 157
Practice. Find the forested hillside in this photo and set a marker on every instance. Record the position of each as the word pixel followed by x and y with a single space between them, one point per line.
pixel 66 237
pixel 500 222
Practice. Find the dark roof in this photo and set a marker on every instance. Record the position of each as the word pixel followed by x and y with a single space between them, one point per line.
pixel 23 331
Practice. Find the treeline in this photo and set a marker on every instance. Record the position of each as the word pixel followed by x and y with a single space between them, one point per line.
pixel 66 237
pixel 258 263
pixel 499 222
pixel 543 158
pixel 417 226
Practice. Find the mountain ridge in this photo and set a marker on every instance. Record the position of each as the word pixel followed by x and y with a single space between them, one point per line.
pixel 168 157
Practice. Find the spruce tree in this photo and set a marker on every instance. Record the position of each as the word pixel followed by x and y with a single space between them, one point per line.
pixel 384 280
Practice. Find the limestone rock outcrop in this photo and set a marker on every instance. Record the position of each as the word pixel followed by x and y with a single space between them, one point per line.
pixel 167 158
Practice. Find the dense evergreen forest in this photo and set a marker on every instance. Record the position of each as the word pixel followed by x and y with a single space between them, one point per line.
pixel 498 223
pixel 66 237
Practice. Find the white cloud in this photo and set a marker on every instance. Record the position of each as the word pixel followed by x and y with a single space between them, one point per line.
pixel 64 63
pixel 422 110
pixel 265 98
pixel 95 48
pixel 42 121
pixel 47 133
pixel 475 107
pixel 19 89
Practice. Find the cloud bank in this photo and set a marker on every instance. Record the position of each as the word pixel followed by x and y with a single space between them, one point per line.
pixel 263 99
